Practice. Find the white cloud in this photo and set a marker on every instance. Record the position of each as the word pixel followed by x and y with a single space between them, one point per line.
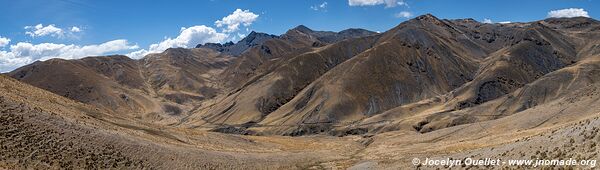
pixel 403 14
pixel 9 62
pixel 25 53
pixel 242 36
pixel 388 3
pixel 41 30
pixel 190 37
pixel 4 41
pixel 487 21
pixel 233 21
pixel 402 3
pixel 138 54
pixel 201 34
pixel 75 29
pixel 187 38
pixel 505 22
pixel 568 13
pixel 323 6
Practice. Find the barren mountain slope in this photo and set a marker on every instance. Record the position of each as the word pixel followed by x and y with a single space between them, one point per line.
pixel 253 39
pixel 110 82
pixel 416 60
pixel 256 61
pixel 562 114
pixel 266 93
pixel 40 129
pixel 442 111
pixel 184 75
pixel 157 88
pixel 307 82
pixel 138 145
pixel 263 57
pixel 425 60
pixel 429 87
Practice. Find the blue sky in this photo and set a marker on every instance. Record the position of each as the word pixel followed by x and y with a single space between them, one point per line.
pixel 124 27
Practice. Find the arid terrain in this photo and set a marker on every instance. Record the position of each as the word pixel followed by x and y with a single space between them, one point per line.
pixel 355 99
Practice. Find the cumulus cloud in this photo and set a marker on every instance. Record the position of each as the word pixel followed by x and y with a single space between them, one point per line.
pixel 190 37
pixel 402 3
pixel 201 34
pixel 41 30
pixel 568 13
pixel 75 29
pixel 505 22
pixel 403 14
pixel 9 62
pixel 233 21
pixel 323 7
pixel 388 3
pixel 241 36
pixel 138 54
pixel 187 38
pixel 4 41
pixel 487 21
pixel 25 53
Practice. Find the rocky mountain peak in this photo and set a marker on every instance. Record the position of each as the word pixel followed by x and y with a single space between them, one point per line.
pixel 302 28
pixel 427 17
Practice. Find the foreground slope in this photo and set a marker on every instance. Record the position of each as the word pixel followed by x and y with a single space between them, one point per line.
pixel 40 129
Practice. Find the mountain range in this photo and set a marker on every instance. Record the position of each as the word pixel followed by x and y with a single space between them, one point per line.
pixel 428 87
